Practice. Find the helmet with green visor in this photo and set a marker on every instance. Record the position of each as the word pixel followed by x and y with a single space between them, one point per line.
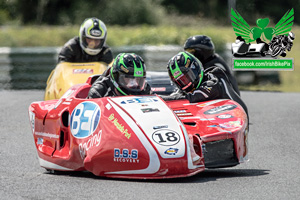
pixel 186 71
pixel 128 74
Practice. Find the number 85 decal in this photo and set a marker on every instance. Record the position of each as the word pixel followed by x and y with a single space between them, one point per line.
pixel 166 137
pixel 84 119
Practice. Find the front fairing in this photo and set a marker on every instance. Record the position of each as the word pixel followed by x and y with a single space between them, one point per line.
pixel 141 138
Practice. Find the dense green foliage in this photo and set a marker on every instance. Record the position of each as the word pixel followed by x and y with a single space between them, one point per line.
pixel 131 12
pixel 117 35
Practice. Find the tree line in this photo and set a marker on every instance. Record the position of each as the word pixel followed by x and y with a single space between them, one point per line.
pixel 135 12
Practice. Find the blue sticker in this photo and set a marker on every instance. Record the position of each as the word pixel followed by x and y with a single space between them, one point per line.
pixel 84 119
pixel 140 100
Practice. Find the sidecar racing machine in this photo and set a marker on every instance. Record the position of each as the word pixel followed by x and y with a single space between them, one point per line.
pixel 242 49
pixel 137 136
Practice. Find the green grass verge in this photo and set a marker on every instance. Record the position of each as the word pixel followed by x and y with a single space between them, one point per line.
pixel 29 36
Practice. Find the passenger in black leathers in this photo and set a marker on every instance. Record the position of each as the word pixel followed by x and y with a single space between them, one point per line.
pixel 127 76
pixel 196 84
pixel 90 46
pixel 203 48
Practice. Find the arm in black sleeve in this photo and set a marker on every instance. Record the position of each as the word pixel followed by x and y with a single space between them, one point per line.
pixel 69 51
pixel 208 90
pixel 174 96
pixel 99 89
pixel 65 55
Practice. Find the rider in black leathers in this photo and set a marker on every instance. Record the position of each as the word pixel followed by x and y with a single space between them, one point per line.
pixel 285 41
pixel 90 46
pixel 203 48
pixel 196 84
pixel 127 76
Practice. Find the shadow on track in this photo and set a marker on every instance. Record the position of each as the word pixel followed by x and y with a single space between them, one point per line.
pixel 206 176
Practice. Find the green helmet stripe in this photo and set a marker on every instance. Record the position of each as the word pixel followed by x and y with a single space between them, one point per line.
pixel 121 61
pixel 176 72
pixel 121 91
pixel 138 71
pixel 200 80
pixel 112 76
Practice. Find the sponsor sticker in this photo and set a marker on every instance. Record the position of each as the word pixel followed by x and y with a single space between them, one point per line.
pixel 32 120
pixel 147 110
pixel 220 109
pixel 93 141
pixel 84 119
pixel 158 89
pixel 225 116
pixel 126 155
pixel 207 119
pixel 171 151
pixel 179 111
pixel 83 71
pixel 96 32
pixel 140 100
pixel 159 127
pixel 119 126
pixel 231 124
pixel 183 114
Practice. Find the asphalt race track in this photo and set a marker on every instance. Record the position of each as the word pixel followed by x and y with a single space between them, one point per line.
pixel 273 171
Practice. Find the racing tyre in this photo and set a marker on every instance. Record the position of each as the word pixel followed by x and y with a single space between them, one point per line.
pixel 276 51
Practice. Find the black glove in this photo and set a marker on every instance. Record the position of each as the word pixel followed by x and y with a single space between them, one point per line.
pixel 174 96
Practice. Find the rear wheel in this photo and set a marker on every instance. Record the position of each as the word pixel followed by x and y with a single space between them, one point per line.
pixel 276 51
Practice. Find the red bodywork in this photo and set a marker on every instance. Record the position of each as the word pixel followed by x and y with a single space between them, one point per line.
pixel 104 137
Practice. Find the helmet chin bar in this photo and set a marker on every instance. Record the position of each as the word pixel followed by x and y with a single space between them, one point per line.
pixel 92 52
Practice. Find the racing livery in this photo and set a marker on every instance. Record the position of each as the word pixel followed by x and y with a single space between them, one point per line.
pixel 137 136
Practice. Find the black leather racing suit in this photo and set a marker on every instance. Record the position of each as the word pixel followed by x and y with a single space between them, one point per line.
pixel 215 85
pixel 104 87
pixel 218 61
pixel 72 52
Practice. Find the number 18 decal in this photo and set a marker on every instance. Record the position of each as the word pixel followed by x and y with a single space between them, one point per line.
pixel 84 119
pixel 166 137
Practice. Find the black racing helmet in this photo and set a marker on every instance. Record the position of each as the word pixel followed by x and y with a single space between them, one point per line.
pixel 128 74
pixel 200 46
pixel 186 71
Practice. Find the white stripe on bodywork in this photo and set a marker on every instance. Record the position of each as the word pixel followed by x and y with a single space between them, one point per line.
pixel 50 165
pixel 154 163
